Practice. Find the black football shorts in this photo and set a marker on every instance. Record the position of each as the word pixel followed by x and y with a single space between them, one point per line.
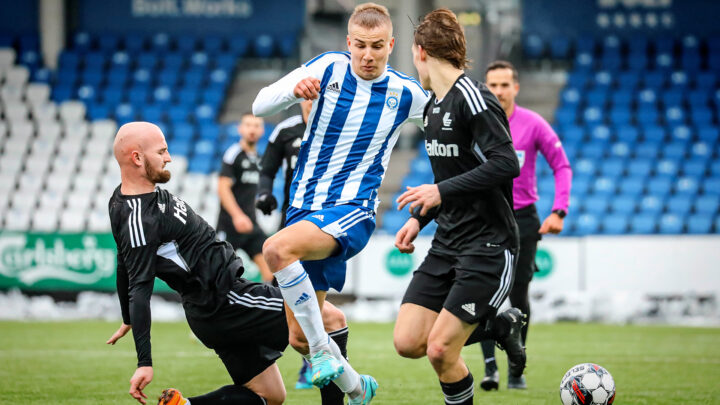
pixel 470 287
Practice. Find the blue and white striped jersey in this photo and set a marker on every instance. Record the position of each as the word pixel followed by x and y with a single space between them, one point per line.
pixel 352 128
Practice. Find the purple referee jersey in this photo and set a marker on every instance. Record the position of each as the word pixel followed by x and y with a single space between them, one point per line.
pixel 530 134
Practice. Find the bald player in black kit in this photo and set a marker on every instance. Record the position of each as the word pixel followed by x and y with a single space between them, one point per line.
pixel 159 235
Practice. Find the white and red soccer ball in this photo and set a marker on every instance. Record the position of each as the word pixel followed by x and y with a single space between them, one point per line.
pixel 587 384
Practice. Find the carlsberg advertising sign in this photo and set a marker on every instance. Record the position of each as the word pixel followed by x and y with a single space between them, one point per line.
pixel 57 261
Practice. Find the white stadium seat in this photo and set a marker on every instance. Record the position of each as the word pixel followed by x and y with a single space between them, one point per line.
pixel 72 220
pixel 45 221
pixel 97 147
pixel 72 111
pixel 7 58
pixel 16 111
pixel 75 131
pixel 79 201
pixel 51 200
pixel 44 112
pixel 103 129
pixel 212 183
pixel 58 181
pixel 16 146
pixel 49 131
pixel 24 198
pixel 91 166
pixel 70 149
pixel 22 129
pixel 31 182
pixel 84 184
pixel 37 93
pixel 3 129
pixel 193 199
pixel 11 92
pixel 17 220
pixel 109 181
pixel 7 182
pixel 37 163
pixel 17 75
pixel 10 166
pixel 99 220
pixel 194 183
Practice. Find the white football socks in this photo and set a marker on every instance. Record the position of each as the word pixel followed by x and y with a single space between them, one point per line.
pixel 349 381
pixel 299 294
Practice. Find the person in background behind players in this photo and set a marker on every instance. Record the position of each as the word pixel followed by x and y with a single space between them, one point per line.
pixel 282 151
pixel 237 186
pixel 454 295
pixel 530 134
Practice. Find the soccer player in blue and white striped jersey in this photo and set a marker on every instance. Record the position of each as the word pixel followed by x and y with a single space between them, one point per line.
pixel 359 106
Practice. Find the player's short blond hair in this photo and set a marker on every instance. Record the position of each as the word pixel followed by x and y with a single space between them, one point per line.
pixel 370 15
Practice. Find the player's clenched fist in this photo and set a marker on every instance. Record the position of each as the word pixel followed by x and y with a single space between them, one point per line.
pixel 406 235
pixel 307 88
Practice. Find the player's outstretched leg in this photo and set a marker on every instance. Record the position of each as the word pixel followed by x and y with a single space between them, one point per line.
pixel 227 395
pixel 520 299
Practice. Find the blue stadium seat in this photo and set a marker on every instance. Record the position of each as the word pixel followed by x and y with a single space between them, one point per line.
pixel 654 133
pixel 623 204
pixel 533 46
pixel 585 44
pixel 620 150
pixel 581 184
pixel 615 224
pixel 674 150
pixel 287 45
pixel 577 79
pixel 134 43
pixel 566 116
pixel 118 77
pixel 695 169
pixel 213 44
pixel 593 150
pixel 152 113
pixel 671 224
pixel 679 80
pixel 603 186
pixel 647 150
pixel 125 113
pixel 711 186
pixel 138 96
pixel 632 186
pixel 675 116
pixel 113 95
pixel 239 45
pixel 647 116
pixel 186 43
pixel 612 168
pixel 708 134
pixel 640 167
pixel 705 80
pixel 264 46
pixel 161 42
pixel 97 111
pixel 587 224
pixel 622 98
pixel 627 81
pixel 674 98
pixel 204 147
pixel 108 42
pixel 687 186
pixel 94 60
pixel 699 224
pixel 654 80
pixel 173 61
pixel 679 205
pixel 643 224
pixel 647 98
pixel 584 61
pixel 668 168
pixel 659 187
pixel 87 94
pixel 572 134
pixel 162 95
pixel 82 41
pixel 182 130
pixel 560 48
pixel 188 96
pixel 715 168
pixel 620 116
pixel 570 96
pixel 205 113
pixel 178 113
pixel 651 205
pixel 681 133
pixel 201 164
pixel 209 132
pixel 593 115
pixel 141 77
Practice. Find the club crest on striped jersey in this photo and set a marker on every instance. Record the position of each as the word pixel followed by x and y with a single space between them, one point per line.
pixel 392 100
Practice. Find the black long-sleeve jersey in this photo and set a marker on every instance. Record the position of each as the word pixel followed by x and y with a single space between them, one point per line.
pixel 282 151
pixel 467 137
pixel 242 168
pixel 159 235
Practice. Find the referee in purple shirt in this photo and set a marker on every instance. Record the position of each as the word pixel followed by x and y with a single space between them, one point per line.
pixel 530 134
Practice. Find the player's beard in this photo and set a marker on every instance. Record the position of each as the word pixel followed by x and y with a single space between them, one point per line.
pixel 157 176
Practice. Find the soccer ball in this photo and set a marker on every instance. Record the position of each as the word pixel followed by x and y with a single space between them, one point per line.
pixel 587 384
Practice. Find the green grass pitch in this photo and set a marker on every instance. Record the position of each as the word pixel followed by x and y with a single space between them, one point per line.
pixel 68 363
